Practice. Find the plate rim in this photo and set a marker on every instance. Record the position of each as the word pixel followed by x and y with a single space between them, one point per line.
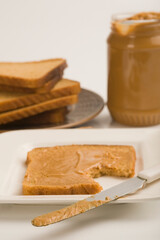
pixel 85 119
pixel 43 199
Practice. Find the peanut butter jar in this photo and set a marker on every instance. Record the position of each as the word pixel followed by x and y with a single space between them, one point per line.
pixel 134 69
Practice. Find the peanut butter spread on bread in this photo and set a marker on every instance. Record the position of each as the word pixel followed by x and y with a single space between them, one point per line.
pixel 71 169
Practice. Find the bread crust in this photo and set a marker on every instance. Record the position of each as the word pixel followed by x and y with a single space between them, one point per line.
pixel 49 117
pixel 33 82
pixel 63 88
pixel 32 110
pixel 44 89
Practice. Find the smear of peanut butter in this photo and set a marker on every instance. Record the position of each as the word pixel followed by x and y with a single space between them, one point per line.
pixel 145 16
pixel 127 25
pixel 67 212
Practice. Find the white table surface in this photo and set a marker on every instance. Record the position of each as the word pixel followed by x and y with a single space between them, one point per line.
pixel 75 30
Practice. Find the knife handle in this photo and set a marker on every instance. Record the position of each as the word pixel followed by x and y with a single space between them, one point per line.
pixel 150 174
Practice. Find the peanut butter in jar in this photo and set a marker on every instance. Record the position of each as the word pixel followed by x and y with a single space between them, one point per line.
pixel 134 69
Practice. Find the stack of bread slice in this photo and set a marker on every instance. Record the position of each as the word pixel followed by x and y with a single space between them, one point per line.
pixel 35 92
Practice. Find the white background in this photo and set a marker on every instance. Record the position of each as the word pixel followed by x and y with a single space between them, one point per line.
pixel 75 30
pixel 72 29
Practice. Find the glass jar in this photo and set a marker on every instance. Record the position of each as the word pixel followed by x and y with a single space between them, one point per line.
pixel 134 71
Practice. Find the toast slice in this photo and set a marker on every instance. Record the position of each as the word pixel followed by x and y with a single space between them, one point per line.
pixel 32 110
pixel 53 116
pixel 71 169
pixel 10 101
pixel 30 74
pixel 44 89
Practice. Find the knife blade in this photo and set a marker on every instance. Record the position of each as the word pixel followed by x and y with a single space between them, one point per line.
pixel 127 187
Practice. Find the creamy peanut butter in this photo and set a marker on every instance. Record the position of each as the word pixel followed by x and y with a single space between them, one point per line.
pixel 67 212
pixel 125 26
pixel 134 69
pixel 71 169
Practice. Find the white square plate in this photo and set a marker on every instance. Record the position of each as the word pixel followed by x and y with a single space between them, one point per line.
pixel 16 144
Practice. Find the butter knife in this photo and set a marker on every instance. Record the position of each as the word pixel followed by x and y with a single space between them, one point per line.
pixel 127 187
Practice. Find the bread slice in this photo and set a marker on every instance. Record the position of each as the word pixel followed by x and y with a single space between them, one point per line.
pixel 30 74
pixel 71 169
pixel 44 89
pixel 53 116
pixel 10 101
pixel 32 110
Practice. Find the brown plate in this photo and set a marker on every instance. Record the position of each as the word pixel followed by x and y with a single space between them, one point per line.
pixel 89 106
